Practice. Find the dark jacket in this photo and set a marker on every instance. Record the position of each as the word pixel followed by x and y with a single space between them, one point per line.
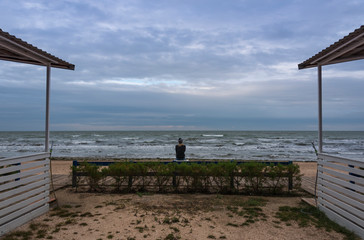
pixel 180 151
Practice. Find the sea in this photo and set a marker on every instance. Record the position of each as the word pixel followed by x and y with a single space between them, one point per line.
pixel 227 145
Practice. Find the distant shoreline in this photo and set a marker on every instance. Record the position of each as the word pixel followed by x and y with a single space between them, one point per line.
pixel 108 159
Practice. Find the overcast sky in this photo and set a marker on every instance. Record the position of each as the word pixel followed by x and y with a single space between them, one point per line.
pixel 181 65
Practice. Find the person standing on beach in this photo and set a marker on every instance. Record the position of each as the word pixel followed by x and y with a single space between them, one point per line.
pixel 180 150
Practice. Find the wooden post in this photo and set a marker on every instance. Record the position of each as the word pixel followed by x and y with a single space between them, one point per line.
pixel 48 87
pixel 319 81
pixel 74 174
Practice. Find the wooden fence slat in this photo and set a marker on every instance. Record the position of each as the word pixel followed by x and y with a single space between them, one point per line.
pixel 23 174
pixel 28 158
pixel 341 190
pixel 341 175
pixel 23 166
pixel 349 194
pixel 334 199
pixel 23 181
pixel 25 218
pixel 30 198
pixel 36 202
pixel 24 188
pixel 343 221
pixel 325 157
pixel 342 168
pixel 341 212
pixel 342 183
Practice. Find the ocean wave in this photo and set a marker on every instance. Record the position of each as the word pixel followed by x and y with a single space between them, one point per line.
pixel 213 135
pixel 245 143
pixel 200 145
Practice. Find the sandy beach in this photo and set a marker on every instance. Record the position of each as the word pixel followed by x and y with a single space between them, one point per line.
pixel 84 215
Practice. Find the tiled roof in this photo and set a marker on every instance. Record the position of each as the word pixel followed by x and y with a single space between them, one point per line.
pixel 349 48
pixel 17 50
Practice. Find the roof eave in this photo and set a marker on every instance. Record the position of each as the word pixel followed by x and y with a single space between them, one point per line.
pixel 17 50
pixel 344 50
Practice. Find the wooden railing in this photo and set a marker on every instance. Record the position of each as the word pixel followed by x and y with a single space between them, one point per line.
pixel 24 189
pixel 340 189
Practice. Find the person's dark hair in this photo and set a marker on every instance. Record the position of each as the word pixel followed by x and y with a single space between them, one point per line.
pixel 180 140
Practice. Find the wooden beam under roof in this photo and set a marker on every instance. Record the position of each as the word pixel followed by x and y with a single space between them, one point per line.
pixel 16 50
pixel 346 49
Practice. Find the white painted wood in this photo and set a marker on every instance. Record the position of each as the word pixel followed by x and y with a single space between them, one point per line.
pixel 24 196
pixel 350 196
pixel 24 219
pixel 354 212
pixel 24 193
pixel 342 183
pixel 23 166
pixel 319 88
pixel 48 92
pixel 23 174
pixel 345 176
pixel 343 168
pixel 10 208
pixel 342 221
pixel 326 157
pixel 23 181
pixel 22 211
pixel 27 158
pixel 342 213
pixel 24 188
pixel 340 199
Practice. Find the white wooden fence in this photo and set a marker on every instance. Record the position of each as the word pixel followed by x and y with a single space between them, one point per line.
pixel 340 189
pixel 24 189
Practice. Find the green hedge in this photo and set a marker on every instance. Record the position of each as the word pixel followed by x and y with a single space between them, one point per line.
pixel 222 177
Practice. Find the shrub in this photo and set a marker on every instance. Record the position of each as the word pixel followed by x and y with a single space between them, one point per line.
pixel 93 175
pixel 221 177
pixel 254 176
pixel 119 172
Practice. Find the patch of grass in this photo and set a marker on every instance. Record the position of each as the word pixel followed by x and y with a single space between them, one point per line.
pixel 86 214
pixel 171 237
pixel 139 194
pixel 33 226
pixel 98 206
pixel 174 229
pixel 41 233
pixel 141 229
pixel 249 209
pixel 120 206
pixel 24 235
pixel 63 213
pixel 70 221
pixel 211 236
pixel 232 224
pixel 306 215
pixel 175 219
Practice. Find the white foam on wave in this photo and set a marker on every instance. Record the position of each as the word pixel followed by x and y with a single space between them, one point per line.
pixel 212 135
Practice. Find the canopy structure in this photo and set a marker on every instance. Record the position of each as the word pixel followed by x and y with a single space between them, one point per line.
pixel 16 50
pixel 346 49
pixel 349 48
